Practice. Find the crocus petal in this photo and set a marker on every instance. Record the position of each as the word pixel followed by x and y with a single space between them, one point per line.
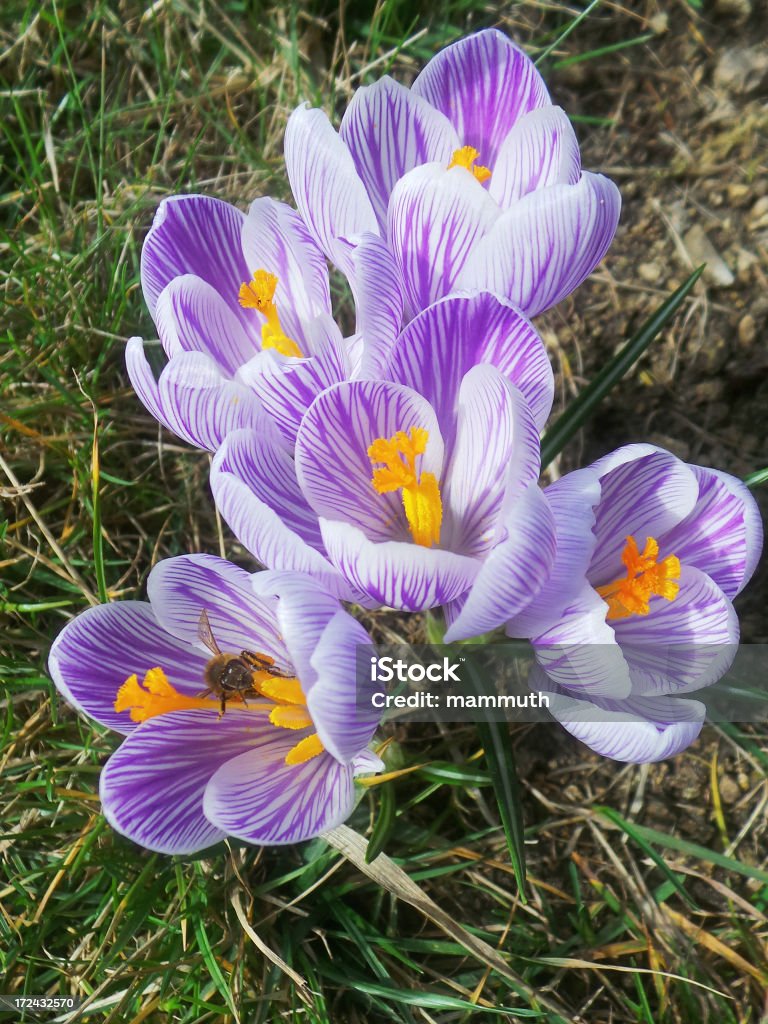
pixel 514 571
pixel 723 534
pixel 340 699
pixel 378 290
pixel 255 489
pixel 398 574
pixel 191 316
pixel 97 651
pixel 496 443
pixel 286 387
pixel 328 191
pixel 683 644
pixel 192 398
pixel 332 462
pixel 259 798
pixel 277 240
pixel 546 244
pixel 152 787
pixel 390 130
pixel 195 235
pixel 572 500
pixel 540 150
pixel 637 730
pixel 181 588
pixel 435 219
pixel 440 345
pixel 580 651
pixel 483 84
pixel 304 609
pixel 645 492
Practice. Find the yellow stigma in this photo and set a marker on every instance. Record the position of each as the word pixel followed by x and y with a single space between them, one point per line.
pixel 155 696
pixel 465 157
pixel 285 704
pixel 259 294
pixel 420 491
pixel 646 578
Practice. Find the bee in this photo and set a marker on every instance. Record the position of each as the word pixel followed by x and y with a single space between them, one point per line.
pixel 227 675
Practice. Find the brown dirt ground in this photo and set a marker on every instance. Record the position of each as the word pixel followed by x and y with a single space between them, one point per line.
pixel 687 148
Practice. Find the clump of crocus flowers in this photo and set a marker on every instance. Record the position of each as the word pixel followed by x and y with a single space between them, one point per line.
pixel 397 467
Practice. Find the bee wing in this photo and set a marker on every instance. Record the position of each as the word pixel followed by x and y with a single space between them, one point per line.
pixel 205 633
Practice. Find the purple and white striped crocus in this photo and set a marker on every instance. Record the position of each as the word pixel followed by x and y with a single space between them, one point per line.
pixel 278 768
pixel 471 176
pixel 397 491
pixel 638 605
pixel 243 310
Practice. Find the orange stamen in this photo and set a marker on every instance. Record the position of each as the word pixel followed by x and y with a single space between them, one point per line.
pixel 259 294
pixel 646 578
pixel 420 491
pixel 465 157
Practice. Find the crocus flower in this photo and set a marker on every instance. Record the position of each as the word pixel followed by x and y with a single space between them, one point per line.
pixel 471 176
pixel 398 490
pixel 637 609
pixel 277 767
pixel 242 307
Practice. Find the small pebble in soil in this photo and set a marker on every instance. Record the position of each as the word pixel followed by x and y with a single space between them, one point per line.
pixel 747 330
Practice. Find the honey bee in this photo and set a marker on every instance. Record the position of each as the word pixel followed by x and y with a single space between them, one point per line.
pixel 227 675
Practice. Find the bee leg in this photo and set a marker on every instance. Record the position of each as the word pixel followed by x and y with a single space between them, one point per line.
pixel 223 705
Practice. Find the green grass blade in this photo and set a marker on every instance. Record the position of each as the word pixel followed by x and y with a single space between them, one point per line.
pixel 502 770
pixel 602 51
pixel 385 822
pixel 567 31
pixel 580 410
pixel 634 834
pixel 651 835
pixel 757 478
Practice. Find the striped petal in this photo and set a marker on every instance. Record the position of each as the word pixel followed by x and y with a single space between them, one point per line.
pixel 304 609
pixel 254 485
pixel 286 387
pixel 378 290
pixel 332 462
pixel 181 588
pixel 440 345
pixel 514 571
pixel 259 798
pixel 645 492
pixel 152 788
pixel 483 84
pixel 277 240
pixel 637 730
pixel 328 191
pixel 546 244
pixel 683 644
pixel 722 535
pixel 397 574
pixel 572 500
pixel 390 130
pixel 340 698
pixel 99 649
pixel 580 651
pixel 496 447
pixel 191 316
pixel 192 398
pixel 436 218
pixel 540 150
pixel 195 235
